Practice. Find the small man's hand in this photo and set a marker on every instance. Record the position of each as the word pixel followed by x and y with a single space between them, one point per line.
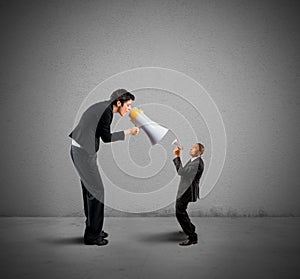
pixel 176 152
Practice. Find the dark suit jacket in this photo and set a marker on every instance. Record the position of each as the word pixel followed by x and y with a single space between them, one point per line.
pixel 95 124
pixel 190 177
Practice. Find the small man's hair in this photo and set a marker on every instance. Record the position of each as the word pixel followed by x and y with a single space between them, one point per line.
pixel 201 147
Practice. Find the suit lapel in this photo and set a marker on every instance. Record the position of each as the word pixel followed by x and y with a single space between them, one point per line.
pixel 188 162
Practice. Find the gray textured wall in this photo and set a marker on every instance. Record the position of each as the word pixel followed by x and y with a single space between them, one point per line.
pixel 245 54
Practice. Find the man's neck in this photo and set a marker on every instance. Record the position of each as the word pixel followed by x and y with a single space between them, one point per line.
pixel 114 108
pixel 194 158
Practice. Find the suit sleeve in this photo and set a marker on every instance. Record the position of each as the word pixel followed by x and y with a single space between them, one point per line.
pixel 189 171
pixel 103 129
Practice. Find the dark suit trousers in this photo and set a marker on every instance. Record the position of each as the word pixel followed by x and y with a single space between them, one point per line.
pixel 182 216
pixel 93 209
pixel 94 213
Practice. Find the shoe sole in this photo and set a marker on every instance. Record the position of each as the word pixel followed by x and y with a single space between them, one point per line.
pixel 191 243
pixel 97 243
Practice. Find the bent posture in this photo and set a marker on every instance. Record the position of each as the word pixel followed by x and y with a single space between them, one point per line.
pixel 93 125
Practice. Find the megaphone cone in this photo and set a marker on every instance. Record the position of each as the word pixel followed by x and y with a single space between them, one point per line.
pixel 176 143
pixel 154 131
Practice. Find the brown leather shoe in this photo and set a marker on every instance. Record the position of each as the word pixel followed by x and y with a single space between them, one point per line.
pixel 188 242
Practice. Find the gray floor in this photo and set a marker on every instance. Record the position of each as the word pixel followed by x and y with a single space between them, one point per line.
pixel 148 248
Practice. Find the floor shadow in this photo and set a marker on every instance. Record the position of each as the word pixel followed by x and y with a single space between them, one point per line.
pixel 63 240
pixel 163 237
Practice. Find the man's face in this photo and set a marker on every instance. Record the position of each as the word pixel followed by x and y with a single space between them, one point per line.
pixel 122 110
pixel 194 151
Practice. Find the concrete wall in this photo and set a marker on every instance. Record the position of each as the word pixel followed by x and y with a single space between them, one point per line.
pixel 244 53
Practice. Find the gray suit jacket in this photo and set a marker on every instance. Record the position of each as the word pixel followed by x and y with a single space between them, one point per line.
pixel 94 124
pixel 189 177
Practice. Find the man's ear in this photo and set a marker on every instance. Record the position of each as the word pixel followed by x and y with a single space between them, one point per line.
pixel 119 104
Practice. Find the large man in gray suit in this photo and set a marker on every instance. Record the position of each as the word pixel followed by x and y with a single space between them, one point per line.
pixel 93 126
pixel 188 190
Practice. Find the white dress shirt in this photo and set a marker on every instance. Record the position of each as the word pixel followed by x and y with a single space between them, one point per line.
pixel 194 158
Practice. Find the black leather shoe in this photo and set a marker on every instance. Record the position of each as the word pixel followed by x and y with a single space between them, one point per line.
pixel 188 242
pixel 99 241
pixel 104 234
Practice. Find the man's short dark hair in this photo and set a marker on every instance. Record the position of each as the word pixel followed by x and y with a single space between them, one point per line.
pixel 121 95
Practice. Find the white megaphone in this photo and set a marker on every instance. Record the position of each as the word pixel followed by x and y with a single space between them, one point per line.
pixel 176 143
pixel 154 131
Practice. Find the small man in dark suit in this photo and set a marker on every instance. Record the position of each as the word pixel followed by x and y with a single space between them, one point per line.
pixel 94 125
pixel 188 190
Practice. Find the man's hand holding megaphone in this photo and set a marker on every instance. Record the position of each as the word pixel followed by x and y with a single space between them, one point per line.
pixel 176 151
pixel 154 131
pixel 132 131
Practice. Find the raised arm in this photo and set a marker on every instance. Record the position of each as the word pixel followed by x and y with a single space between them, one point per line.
pixel 189 170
